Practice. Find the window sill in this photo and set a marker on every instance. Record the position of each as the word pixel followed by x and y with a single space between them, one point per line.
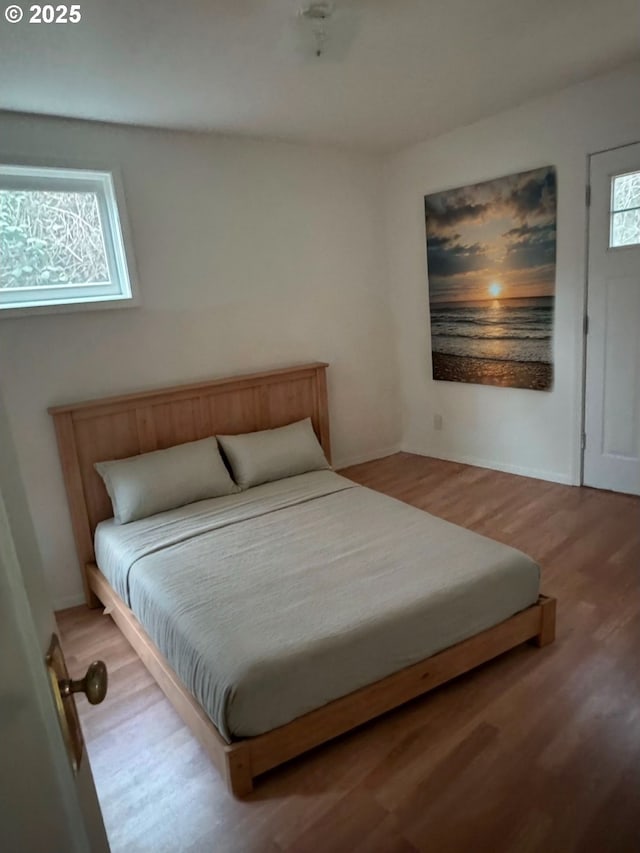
pixel 71 307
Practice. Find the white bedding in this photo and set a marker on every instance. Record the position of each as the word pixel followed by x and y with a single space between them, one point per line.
pixel 275 601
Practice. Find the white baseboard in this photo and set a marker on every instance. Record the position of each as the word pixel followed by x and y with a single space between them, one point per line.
pixel 68 601
pixel 536 473
pixel 348 461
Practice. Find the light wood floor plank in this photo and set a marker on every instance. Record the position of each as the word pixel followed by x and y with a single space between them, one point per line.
pixel 535 752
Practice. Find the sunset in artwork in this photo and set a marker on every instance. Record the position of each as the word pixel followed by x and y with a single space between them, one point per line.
pixel 491 251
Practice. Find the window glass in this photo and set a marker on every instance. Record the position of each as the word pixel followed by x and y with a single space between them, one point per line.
pixel 626 191
pixel 51 238
pixel 625 210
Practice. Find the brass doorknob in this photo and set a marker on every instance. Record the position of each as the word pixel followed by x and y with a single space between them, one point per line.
pixel 93 685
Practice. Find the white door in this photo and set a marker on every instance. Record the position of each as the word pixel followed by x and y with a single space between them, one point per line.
pixel 44 807
pixel 612 402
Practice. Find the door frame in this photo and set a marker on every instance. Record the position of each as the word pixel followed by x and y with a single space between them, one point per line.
pixel 585 301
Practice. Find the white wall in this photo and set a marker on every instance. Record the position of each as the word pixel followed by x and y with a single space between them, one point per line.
pixel 531 432
pixel 250 255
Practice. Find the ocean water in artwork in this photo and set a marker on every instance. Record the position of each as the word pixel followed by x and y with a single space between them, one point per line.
pixel 517 330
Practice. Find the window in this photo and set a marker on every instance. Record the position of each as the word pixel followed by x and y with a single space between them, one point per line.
pixel 625 210
pixel 61 241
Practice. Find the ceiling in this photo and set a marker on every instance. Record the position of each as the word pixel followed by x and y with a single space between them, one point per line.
pixel 395 72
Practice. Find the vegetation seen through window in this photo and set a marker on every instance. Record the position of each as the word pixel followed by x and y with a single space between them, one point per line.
pixel 51 239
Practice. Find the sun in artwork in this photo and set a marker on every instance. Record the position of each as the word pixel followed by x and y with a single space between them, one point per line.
pixel 495 289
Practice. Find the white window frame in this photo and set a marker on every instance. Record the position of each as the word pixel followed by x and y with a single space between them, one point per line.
pixel 616 247
pixel 122 289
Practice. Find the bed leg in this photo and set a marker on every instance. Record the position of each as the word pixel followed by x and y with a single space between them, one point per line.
pixel 93 602
pixel 238 770
pixel 91 599
pixel 90 596
pixel 547 622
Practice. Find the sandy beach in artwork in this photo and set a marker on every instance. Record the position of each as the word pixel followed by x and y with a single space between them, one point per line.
pixel 535 375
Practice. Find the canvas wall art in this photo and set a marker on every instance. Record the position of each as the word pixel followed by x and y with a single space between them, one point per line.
pixel 491 259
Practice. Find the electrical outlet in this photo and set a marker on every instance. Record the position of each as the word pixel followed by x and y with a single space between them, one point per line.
pixel 437 421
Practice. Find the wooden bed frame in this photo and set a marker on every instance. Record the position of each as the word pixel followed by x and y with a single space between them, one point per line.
pixel 117 427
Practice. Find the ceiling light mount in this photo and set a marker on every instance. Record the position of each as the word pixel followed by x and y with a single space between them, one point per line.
pixel 317 15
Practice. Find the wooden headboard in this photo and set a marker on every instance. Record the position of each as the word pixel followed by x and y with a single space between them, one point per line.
pixel 116 427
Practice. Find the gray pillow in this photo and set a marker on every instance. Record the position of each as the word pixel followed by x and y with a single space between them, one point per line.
pixel 164 479
pixel 272 454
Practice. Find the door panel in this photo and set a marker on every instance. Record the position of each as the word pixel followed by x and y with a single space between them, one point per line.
pixel 612 401
pixel 621 437
pixel 44 806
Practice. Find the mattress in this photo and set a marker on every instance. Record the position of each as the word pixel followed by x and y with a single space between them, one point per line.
pixel 273 602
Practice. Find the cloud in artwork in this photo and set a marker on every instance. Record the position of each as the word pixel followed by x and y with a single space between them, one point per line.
pixel 497 233
pixel 530 246
pixel 448 257
pixel 535 196
pixel 532 194
pixel 444 211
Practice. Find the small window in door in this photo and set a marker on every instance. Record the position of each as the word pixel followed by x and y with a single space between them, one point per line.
pixel 625 210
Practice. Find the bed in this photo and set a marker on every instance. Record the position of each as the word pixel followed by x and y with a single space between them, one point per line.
pixel 326 603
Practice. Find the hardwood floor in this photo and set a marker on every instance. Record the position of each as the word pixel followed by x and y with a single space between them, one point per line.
pixel 538 750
